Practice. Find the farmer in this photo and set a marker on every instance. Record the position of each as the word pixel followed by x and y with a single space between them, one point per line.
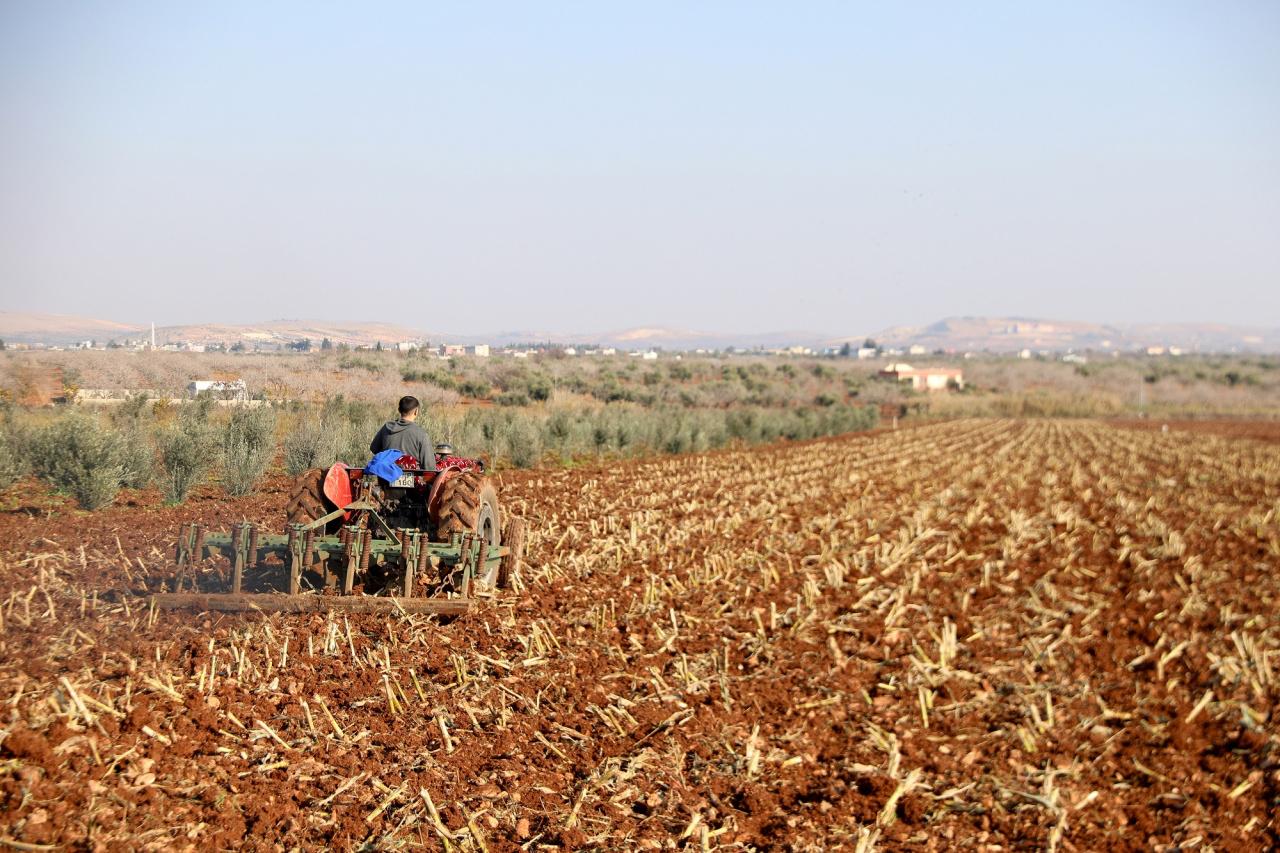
pixel 405 435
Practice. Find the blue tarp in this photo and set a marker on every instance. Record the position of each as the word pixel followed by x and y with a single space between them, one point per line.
pixel 384 465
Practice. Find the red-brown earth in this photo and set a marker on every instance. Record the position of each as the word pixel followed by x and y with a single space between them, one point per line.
pixel 977 634
pixel 1259 430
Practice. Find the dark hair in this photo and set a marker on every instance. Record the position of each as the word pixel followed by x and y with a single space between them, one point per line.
pixel 408 405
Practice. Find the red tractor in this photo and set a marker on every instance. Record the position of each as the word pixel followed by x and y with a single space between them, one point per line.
pixel 454 499
pixel 356 541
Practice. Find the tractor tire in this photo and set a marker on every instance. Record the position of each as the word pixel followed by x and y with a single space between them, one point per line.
pixel 469 504
pixel 306 498
pixel 513 538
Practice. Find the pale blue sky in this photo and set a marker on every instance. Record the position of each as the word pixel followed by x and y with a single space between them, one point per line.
pixel 836 167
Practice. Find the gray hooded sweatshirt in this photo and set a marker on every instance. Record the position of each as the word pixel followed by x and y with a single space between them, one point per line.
pixel 407 437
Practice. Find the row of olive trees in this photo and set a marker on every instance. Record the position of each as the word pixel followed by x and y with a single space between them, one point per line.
pixel 91 457
pixel 341 430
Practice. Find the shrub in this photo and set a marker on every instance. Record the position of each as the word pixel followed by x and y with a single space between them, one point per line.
pixel 559 429
pixel 351 439
pixel 679 373
pixel 188 451
pixel 134 419
pixel 352 362
pixel 437 378
pixel 340 431
pixel 199 409
pixel 139 457
pixel 81 457
pixel 512 399
pixel 535 386
pixel 310 445
pixel 524 443
pixel 540 387
pixel 349 425
pixel 610 390
pixel 248 444
pixel 13 464
pixel 475 388
pixel 600 437
pixel 133 409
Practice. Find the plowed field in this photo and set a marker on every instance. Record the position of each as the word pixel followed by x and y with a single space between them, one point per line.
pixel 972 635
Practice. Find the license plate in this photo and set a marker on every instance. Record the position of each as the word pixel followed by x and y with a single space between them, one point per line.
pixel 405 481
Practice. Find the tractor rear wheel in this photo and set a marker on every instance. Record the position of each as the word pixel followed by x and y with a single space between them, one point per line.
pixel 469 504
pixel 513 538
pixel 306 498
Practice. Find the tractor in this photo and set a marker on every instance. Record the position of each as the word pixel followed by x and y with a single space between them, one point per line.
pixel 412 540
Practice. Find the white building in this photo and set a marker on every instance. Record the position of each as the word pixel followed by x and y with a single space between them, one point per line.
pixel 479 350
pixel 925 378
pixel 229 389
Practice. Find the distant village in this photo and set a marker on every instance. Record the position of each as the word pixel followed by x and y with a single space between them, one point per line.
pixel 868 350
pixel 932 378
pixel 942 374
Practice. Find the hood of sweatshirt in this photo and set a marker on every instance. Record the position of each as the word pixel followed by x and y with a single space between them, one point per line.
pixel 398 425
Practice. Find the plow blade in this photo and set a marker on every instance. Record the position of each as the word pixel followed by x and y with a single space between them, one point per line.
pixel 341 559
pixel 276 603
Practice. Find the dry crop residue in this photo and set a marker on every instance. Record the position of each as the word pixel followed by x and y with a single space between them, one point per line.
pixel 1027 634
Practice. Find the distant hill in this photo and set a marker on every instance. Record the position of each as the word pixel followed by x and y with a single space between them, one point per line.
pixel 663 338
pixel 1011 334
pixel 62 329
pixel 31 328
pixel 953 334
pixel 282 332
pixel 58 329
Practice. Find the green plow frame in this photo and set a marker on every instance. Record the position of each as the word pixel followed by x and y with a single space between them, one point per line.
pixel 408 557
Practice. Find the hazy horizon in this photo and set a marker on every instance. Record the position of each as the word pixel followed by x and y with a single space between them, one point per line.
pixel 723 168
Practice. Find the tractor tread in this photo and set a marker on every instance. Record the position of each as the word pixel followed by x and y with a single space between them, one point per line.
pixel 513 539
pixel 460 500
pixel 306 497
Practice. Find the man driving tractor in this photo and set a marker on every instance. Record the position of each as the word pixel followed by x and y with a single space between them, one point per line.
pixel 405 435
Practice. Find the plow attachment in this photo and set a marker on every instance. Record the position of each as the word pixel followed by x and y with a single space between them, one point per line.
pixel 306 571
pixel 244 603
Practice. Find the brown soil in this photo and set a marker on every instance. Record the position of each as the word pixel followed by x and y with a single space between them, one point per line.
pixel 1258 430
pixel 977 634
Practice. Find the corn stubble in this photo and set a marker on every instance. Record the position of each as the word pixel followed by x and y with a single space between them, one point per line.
pixel 1055 635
